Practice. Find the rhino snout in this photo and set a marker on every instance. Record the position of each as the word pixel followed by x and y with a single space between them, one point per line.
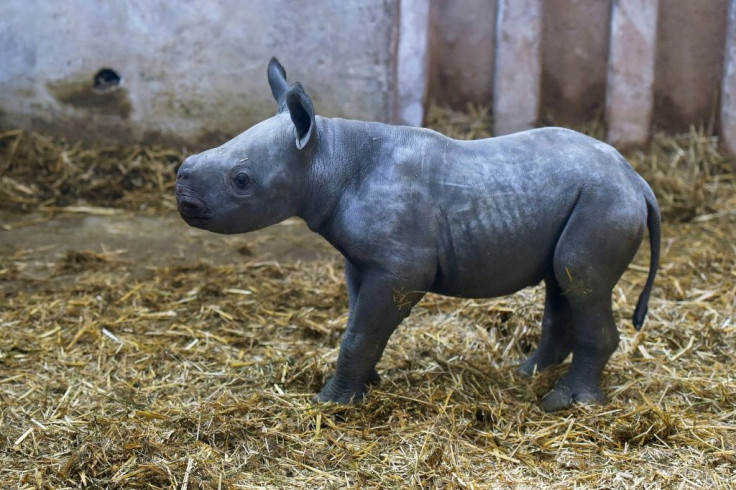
pixel 187 168
pixel 190 205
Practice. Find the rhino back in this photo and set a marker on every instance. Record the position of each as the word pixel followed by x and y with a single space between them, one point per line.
pixel 475 218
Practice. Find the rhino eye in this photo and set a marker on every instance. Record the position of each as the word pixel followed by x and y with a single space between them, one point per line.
pixel 241 180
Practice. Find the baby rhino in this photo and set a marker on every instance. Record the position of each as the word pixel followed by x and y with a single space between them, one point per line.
pixel 414 211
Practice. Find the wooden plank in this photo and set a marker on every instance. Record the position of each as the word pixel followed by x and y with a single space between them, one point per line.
pixel 575 37
pixel 517 73
pixel 689 65
pixel 629 94
pixel 412 61
pixel 461 52
pixel 728 95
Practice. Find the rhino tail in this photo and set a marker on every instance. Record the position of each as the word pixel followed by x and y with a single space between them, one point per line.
pixel 654 224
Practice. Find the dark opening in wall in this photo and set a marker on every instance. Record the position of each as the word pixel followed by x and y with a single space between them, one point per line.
pixel 106 79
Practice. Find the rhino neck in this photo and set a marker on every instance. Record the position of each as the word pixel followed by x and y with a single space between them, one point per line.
pixel 346 150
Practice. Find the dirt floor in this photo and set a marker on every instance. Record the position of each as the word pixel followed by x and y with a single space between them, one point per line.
pixel 40 240
pixel 136 352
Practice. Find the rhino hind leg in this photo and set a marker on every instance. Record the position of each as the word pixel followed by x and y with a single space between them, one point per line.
pixel 592 253
pixel 556 342
pixel 595 338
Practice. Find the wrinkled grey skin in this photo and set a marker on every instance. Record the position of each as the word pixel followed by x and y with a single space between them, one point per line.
pixel 413 211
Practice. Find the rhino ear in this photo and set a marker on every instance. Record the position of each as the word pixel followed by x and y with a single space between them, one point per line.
pixel 278 83
pixel 301 111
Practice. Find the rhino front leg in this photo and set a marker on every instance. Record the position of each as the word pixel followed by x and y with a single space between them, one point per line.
pixel 379 306
pixel 352 279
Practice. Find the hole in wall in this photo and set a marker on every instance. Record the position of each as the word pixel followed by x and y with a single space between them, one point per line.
pixel 105 80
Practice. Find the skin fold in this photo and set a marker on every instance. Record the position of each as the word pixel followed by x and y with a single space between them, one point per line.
pixel 413 211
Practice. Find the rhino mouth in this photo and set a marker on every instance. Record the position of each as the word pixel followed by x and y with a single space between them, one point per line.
pixel 191 207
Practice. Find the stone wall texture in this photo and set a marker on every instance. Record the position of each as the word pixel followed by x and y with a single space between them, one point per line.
pixel 190 71
pixel 689 64
pixel 194 72
pixel 462 52
pixel 575 46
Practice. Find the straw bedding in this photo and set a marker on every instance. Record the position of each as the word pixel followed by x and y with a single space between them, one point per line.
pixel 200 375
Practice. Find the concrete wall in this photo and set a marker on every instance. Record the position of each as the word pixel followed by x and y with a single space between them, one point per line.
pixel 462 47
pixel 686 61
pixel 728 87
pixel 517 70
pixel 630 80
pixel 194 72
pixel 191 71
pixel 689 64
pixel 574 53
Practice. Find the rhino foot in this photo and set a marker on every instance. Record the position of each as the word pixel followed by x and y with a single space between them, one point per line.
pixel 544 357
pixel 346 393
pixel 562 397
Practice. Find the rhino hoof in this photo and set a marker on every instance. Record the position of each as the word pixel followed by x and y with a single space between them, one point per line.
pixel 342 398
pixel 528 368
pixel 563 397
pixel 340 393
